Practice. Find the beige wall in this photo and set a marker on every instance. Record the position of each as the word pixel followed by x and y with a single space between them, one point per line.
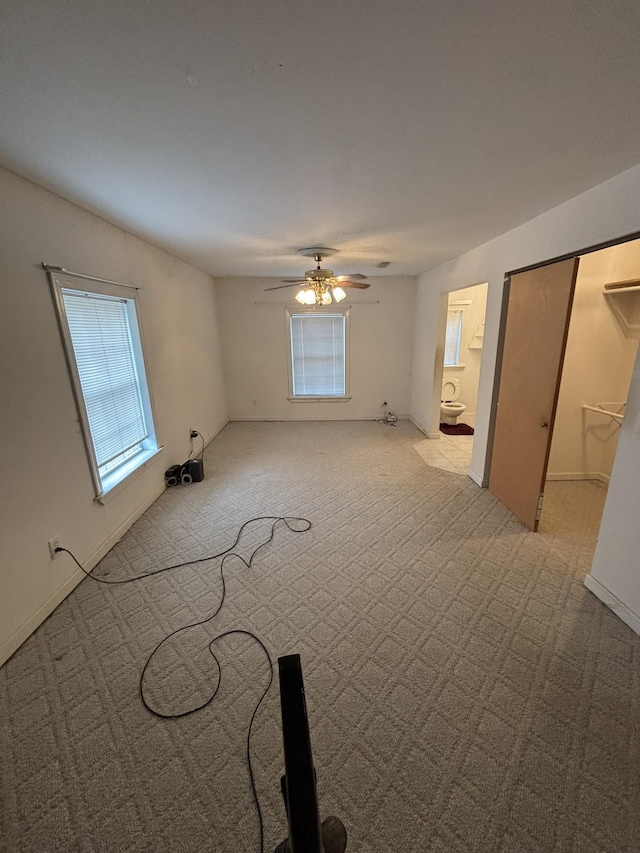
pixel 47 490
pixel 598 365
pixel 607 212
pixel 256 350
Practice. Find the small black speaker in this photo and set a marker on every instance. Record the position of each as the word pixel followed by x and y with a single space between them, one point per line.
pixel 195 469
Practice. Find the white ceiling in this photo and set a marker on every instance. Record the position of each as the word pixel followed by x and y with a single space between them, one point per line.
pixel 232 132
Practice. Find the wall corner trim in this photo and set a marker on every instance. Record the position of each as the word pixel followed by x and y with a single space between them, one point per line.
pixel 613 603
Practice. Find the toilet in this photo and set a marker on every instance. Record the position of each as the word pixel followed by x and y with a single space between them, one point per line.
pixel 450 409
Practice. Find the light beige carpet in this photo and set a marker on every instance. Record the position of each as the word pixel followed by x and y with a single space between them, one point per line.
pixel 466 692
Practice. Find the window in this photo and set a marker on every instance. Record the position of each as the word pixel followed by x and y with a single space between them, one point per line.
pixel 100 332
pixel 318 355
pixel 453 337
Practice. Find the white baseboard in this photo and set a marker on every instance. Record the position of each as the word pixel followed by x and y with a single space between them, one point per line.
pixel 315 418
pixel 13 643
pixel 419 426
pixel 613 603
pixel 119 532
pixel 477 478
pixel 580 475
pixel 432 435
pixel 216 431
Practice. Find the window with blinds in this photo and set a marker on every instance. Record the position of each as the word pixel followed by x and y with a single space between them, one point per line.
pixel 318 355
pixel 453 337
pixel 100 331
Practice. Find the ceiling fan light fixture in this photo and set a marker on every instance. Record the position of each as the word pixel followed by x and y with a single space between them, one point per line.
pixel 320 286
pixel 306 296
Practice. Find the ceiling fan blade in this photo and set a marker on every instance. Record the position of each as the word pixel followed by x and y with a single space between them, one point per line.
pixel 360 284
pixel 280 286
pixel 296 280
pixel 349 277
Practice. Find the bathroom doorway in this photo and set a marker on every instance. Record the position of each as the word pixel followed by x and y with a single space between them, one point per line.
pixel 602 344
pixel 459 359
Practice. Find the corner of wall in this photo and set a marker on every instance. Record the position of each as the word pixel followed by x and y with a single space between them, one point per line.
pixel 613 603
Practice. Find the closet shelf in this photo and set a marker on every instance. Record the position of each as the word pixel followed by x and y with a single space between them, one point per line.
pixel 618 416
pixel 476 340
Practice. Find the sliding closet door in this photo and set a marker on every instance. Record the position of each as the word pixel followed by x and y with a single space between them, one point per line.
pixel 534 344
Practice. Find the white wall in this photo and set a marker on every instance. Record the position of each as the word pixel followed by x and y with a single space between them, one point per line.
pixel 615 572
pixel 47 489
pixel 469 375
pixel 605 212
pixel 597 368
pixel 256 350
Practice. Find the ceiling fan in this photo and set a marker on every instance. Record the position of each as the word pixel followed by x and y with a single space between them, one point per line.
pixel 321 286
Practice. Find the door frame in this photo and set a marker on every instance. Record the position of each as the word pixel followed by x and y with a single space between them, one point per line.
pixel 438 372
pixel 578 253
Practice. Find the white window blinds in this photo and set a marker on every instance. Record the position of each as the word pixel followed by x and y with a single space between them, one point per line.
pixel 100 333
pixel 318 355
pixel 452 337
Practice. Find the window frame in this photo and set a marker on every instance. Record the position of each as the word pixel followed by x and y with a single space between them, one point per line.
pixel 106 485
pixel 320 311
pixel 454 308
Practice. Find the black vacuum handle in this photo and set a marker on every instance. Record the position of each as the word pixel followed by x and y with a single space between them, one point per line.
pixel 300 781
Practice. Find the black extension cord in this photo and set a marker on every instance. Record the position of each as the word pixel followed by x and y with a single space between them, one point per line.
pixel 228 552
pixel 194 434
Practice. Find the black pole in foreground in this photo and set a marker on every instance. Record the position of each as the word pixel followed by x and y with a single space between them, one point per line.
pixel 306 833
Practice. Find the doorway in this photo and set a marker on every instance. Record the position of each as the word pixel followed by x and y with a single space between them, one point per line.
pixel 593 367
pixel 457 378
pixel 602 344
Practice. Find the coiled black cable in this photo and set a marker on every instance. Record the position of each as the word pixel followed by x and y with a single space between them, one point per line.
pixel 228 552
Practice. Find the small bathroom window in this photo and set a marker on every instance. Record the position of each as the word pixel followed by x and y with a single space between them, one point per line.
pixel 453 337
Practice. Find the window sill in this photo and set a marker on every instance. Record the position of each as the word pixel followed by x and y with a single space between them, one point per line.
pixel 318 399
pixel 454 366
pixel 114 483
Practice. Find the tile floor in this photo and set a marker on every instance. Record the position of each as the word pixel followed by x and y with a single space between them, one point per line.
pixel 449 452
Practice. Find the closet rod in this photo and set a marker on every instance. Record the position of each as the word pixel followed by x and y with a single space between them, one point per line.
pixel 622 286
pixel 602 411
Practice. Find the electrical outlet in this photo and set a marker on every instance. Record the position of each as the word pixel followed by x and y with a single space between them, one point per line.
pixel 53 544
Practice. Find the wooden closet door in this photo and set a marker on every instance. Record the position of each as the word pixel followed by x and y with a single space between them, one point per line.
pixel 535 339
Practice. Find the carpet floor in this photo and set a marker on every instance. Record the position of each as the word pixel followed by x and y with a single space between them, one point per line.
pixel 466 693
